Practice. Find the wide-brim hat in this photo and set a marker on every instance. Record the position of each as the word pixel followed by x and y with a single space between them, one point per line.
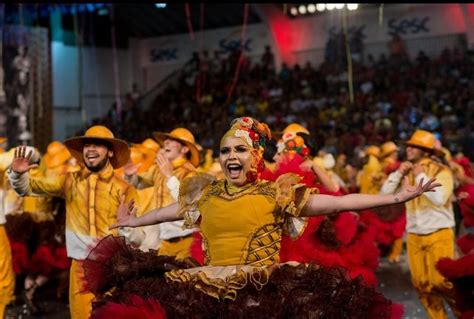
pixel 147 157
pixel 424 140
pixel 151 144
pixel 99 132
pixel 292 127
pixel 184 136
pixel 388 148
pixel 56 154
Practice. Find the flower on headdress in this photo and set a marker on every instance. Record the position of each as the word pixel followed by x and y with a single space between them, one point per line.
pixel 291 142
pixel 245 135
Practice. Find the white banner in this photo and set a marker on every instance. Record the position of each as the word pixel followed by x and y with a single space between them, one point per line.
pixel 178 49
pixel 408 21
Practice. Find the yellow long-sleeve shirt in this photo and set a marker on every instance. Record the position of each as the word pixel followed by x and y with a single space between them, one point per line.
pixel 368 177
pixel 91 203
pixel 432 210
pixel 165 192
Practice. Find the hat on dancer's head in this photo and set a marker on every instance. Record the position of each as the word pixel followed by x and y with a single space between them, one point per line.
pixel 151 145
pixel 142 155
pixel 56 155
pixel 184 136
pixel 100 133
pixel 372 150
pixel 387 148
pixel 295 128
pixel 292 127
pixel 424 140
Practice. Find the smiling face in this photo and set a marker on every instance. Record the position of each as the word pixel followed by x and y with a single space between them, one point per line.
pixel 96 155
pixel 235 159
pixel 414 154
pixel 174 149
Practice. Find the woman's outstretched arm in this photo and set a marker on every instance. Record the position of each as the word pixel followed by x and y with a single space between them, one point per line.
pixel 327 204
pixel 126 215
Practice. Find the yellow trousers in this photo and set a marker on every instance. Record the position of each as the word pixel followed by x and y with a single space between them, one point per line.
pixel 7 276
pixel 396 251
pixel 80 302
pixel 424 251
pixel 180 249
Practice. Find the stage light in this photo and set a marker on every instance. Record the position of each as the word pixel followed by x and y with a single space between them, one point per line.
pixel 352 6
pixel 302 9
pixel 294 11
pixel 330 6
pixel 321 7
pixel 160 5
pixel 311 8
pixel 339 5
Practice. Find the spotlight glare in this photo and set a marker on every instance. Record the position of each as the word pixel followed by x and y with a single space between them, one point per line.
pixel 321 7
pixel 160 5
pixel 330 6
pixel 302 9
pixel 339 5
pixel 311 8
pixel 294 11
pixel 352 6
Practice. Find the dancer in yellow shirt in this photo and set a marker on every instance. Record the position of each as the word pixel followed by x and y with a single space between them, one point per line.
pixel 92 196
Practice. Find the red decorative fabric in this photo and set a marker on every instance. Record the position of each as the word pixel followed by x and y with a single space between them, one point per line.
pixel 134 307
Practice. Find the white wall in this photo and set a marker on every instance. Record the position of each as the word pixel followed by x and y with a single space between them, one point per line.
pixel 98 86
pixel 158 57
pixel 422 26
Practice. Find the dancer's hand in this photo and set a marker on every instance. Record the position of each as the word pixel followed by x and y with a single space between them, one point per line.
pixel 409 192
pixel 166 168
pixel 21 161
pixel 405 167
pixel 126 214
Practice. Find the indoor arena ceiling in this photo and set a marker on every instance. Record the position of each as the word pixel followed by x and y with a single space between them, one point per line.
pixel 137 20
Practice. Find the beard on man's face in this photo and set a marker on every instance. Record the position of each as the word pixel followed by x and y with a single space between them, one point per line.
pixel 97 167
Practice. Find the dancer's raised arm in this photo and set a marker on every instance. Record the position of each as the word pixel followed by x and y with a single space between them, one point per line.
pixel 327 204
pixel 126 215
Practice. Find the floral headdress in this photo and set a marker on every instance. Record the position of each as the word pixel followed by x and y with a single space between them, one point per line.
pixel 291 142
pixel 254 134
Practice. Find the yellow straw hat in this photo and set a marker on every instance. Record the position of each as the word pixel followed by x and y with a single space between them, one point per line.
pixel 99 132
pixel 295 128
pixel 373 150
pixel 56 154
pixel 151 145
pixel 143 155
pixel 424 140
pixel 387 148
pixel 184 136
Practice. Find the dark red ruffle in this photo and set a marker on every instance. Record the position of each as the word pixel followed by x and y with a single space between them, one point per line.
pixel 387 231
pixel 134 307
pixel 466 243
pixel 49 258
pixel 292 292
pixel 21 261
pixel 467 205
pixel 461 273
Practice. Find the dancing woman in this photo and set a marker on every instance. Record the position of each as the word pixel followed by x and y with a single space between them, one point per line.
pixel 242 219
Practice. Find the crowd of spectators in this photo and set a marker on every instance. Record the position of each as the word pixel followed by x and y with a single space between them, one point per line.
pixel 393 95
